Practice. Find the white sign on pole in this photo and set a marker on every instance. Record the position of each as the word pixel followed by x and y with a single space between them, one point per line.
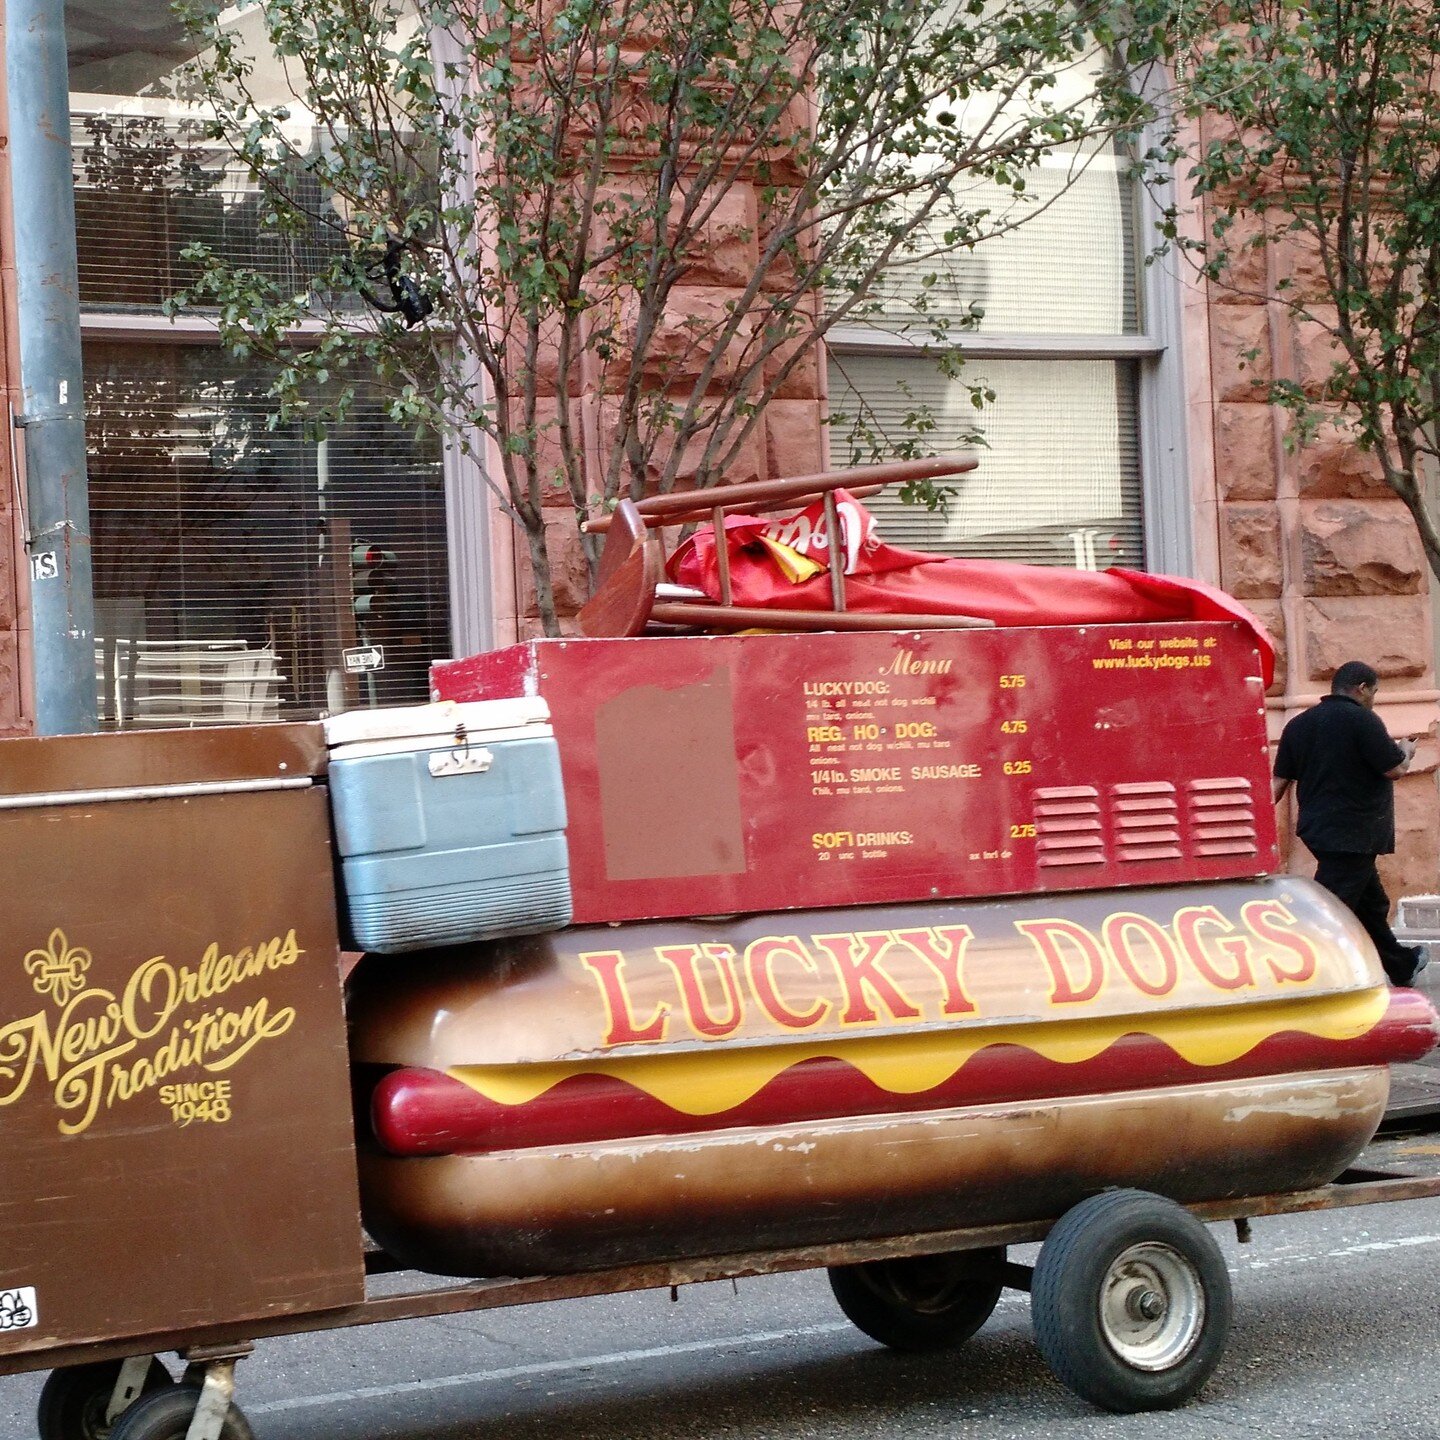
pixel 363 658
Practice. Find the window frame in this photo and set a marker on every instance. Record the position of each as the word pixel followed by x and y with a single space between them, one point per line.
pixel 1167 524
pixel 469 523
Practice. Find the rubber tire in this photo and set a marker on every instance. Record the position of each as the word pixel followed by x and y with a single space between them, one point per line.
pixel 166 1415
pixel 925 1302
pixel 74 1397
pixel 1068 1284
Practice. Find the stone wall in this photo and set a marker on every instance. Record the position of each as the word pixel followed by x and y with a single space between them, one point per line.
pixel 1312 539
pixel 1308 536
pixel 789 439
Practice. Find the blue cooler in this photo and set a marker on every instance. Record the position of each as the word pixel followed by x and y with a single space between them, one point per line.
pixel 449 823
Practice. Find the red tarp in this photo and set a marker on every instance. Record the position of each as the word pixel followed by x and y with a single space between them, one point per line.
pixel 883 579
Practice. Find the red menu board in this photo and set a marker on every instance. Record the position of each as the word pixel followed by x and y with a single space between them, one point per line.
pixel 723 774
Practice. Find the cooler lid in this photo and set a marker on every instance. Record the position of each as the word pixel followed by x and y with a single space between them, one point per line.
pixel 441 723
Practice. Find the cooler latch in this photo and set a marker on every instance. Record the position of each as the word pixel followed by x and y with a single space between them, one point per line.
pixel 465 759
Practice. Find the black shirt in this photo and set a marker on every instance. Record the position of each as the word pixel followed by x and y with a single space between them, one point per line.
pixel 1337 753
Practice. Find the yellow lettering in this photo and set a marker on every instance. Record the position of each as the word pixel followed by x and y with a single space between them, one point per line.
pixel 87 1051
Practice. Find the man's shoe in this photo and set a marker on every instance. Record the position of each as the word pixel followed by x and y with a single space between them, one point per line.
pixel 1422 959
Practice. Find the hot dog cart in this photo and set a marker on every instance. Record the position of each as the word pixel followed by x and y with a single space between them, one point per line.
pixel 686 957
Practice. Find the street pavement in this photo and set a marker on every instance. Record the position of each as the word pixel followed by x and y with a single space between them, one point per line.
pixel 1337 1319
pixel 1334 1339
pixel 1415 1089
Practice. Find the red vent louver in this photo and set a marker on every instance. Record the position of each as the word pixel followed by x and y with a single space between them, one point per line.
pixel 1146 820
pixel 1069 829
pixel 1222 817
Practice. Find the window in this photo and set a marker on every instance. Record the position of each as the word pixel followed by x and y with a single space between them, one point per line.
pixel 226 584
pixel 1070 343
pixel 224 550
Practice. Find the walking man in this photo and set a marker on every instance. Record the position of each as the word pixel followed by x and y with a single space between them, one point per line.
pixel 1344 765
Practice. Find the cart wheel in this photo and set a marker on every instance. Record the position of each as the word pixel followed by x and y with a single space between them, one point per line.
pixel 1131 1302
pixel 74 1399
pixel 166 1415
pixel 928 1302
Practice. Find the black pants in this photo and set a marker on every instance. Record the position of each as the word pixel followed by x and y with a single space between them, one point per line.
pixel 1355 880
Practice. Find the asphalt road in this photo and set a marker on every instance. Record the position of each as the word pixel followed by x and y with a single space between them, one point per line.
pixel 1337 1324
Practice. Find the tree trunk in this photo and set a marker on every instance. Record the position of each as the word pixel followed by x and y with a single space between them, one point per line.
pixel 540 574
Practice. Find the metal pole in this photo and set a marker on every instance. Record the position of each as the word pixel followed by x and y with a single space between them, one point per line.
pixel 53 421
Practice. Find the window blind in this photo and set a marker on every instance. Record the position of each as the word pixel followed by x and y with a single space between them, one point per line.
pixel 147 181
pixel 148 184
pixel 222 547
pixel 1067 267
pixel 1058 481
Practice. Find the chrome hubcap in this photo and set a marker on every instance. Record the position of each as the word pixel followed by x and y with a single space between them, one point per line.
pixel 1152 1306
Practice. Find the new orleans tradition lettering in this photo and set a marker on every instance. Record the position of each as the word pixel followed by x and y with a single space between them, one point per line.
pixel 98 1047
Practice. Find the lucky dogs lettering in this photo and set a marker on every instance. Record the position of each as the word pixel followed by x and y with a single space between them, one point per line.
pixel 918 975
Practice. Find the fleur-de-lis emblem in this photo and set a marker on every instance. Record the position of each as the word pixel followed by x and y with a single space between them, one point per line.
pixel 59 970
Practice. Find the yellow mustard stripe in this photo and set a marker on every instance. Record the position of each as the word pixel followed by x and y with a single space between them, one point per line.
pixel 708 1082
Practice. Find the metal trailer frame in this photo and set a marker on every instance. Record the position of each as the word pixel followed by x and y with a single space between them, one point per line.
pixel 214 1351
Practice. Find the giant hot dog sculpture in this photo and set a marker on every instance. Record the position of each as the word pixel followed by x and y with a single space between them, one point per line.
pixel 619 1094
pixel 1000 927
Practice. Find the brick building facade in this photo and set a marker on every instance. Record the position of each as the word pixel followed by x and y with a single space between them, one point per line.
pixel 1309 538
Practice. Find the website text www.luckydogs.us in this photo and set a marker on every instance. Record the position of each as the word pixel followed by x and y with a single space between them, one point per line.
pixel 1151 662
pixel 1168 652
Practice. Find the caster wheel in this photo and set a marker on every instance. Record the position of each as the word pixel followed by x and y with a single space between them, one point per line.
pixel 166 1415
pixel 928 1302
pixel 75 1398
